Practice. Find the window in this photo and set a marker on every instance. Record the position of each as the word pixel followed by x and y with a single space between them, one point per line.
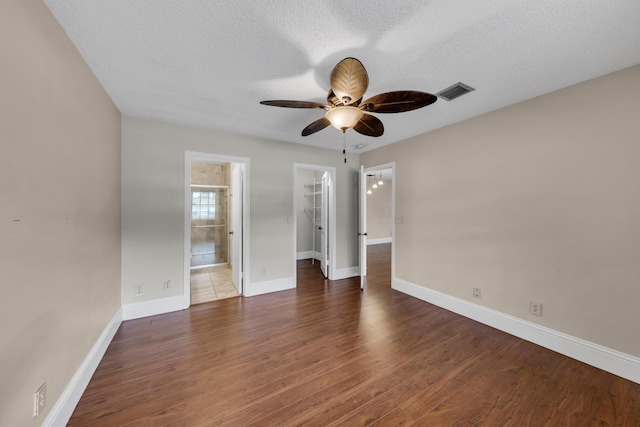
pixel 203 205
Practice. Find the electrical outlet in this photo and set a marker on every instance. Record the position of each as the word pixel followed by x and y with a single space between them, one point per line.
pixel 477 293
pixel 535 308
pixel 166 285
pixel 39 399
pixel 139 289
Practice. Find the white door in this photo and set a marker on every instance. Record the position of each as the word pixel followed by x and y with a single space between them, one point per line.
pixel 362 228
pixel 324 224
pixel 235 227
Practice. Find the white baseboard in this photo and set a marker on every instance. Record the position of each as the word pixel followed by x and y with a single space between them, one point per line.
pixel 345 273
pixel 152 307
pixel 64 407
pixel 378 241
pixel 607 359
pixel 307 255
pixel 259 288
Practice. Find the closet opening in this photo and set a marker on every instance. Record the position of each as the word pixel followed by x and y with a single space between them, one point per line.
pixel 314 207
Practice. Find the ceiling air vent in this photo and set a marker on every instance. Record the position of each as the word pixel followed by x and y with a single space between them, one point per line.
pixel 454 91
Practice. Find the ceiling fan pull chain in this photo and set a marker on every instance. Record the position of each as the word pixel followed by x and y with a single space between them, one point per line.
pixel 344 144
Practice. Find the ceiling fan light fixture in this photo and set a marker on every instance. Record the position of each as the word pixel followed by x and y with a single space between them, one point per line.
pixel 344 117
pixel 345 108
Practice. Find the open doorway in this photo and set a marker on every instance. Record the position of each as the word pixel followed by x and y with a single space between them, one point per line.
pixel 314 217
pixel 377 214
pixel 215 227
pixel 209 215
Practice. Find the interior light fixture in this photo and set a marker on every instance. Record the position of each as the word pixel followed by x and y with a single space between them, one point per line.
pixel 374 185
pixel 344 117
pixel 381 182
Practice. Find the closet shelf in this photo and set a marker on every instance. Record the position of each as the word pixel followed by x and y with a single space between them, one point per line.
pixel 314 212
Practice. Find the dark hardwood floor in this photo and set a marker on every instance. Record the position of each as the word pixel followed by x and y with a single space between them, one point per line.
pixel 328 354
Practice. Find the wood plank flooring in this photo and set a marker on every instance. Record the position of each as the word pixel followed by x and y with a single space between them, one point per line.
pixel 328 354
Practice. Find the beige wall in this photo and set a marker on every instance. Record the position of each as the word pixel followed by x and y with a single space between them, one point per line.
pixel 540 200
pixel 379 212
pixel 60 209
pixel 153 202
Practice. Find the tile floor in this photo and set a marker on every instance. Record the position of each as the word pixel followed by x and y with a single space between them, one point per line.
pixel 212 283
pixel 205 254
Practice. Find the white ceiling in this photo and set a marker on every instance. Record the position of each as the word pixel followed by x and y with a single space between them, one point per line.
pixel 209 63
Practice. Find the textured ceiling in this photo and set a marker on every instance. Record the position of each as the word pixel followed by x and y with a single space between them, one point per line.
pixel 209 63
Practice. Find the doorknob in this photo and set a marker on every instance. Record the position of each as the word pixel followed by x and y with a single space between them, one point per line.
pixel 231 232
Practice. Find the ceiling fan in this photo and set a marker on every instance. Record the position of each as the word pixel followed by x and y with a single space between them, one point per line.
pixel 345 108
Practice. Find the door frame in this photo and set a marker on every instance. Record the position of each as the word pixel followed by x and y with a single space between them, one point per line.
pixel 331 170
pixel 391 165
pixel 325 184
pixel 362 224
pixel 236 187
pixel 190 156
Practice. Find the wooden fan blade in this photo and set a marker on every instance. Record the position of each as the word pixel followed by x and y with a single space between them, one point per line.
pixel 316 126
pixel 294 104
pixel 398 102
pixel 349 80
pixel 369 125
